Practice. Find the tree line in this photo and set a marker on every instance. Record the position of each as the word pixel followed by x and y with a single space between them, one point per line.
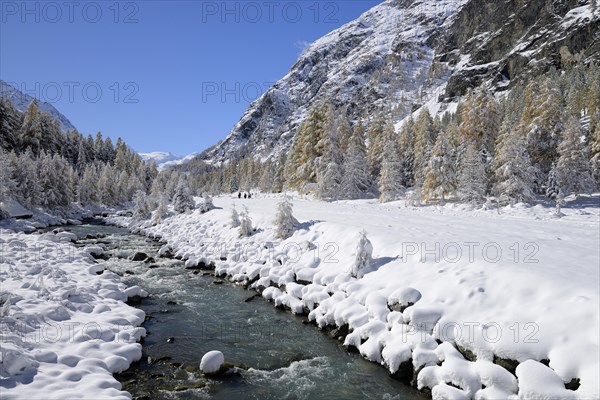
pixel 541 138
pixel 44 167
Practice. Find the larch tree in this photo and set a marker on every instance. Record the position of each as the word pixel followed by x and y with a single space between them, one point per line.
pixel 31 131
pixel 302 164
pixel 573 171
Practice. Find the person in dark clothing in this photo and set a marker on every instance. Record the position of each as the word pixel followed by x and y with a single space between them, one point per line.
pixel 239 195
pixel 249 195
pixel 245 196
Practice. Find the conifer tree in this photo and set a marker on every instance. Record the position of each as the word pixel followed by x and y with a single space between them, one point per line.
pixel 285 222
pixel 595 160
pixel 439 175
pixel 472 179
pixel 405 148
pixel 573 171
pixel 141 209
pixel 375 140
pixel 235 218
pixel 363 256
pixel 330 170
pixel 182 200
pixel 423 143
pixel 161 211
pixel 245 229
pixel 302 164
pixel 480 121
pixel 513 172
pixel 355 181
pixel 390 178
pixel 31 131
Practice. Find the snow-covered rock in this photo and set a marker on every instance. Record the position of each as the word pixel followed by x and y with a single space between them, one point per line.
pixel 212 362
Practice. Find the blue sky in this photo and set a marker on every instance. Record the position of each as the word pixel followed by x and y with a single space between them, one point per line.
pixel 164 75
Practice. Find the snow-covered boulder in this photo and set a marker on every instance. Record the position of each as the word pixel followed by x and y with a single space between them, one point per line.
pixel 212 362
pixel 402 298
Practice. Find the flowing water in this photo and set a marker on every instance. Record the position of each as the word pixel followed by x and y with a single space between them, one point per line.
pixel 278 355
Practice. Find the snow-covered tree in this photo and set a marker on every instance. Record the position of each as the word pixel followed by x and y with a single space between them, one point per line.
pixel 8 186
pixel 363 256
pixel 595 160
pixel 480 121
pixel 406 150
pixel 141 209
pixel 206 204
pixel 376 142
pixel 355 181
pixel 472 179
pixel 161 211
pixel 234 218
pixel 329 176
pixel 302 163
pixel 182 200
pixel 423 143
pixel 245 229
pixel 439 174
pixel 390 177
pixel 573 171
pixel 31 131
pixel 513 172
pixel 285 222
pixel 552 186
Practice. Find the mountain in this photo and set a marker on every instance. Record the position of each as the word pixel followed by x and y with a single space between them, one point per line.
pixel 409 54
pixel 166 159
pixel 21 100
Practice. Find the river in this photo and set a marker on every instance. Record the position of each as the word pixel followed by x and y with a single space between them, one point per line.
pixel 278 355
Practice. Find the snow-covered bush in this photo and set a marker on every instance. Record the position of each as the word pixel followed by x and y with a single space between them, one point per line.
pixel 235 218
pixel 161 212
pixel 141 210
pixel 245 228
pixel 182 200
pixel 285 222
pixel 364 253
pixel 206 204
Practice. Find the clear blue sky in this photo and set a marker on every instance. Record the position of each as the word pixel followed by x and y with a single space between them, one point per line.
pixel 154 72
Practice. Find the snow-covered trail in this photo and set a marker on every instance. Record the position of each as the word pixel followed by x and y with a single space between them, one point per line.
pixel 519 285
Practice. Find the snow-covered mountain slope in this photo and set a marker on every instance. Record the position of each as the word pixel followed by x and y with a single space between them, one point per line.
pixel 166 159
pixel 21 100
pixel 408 53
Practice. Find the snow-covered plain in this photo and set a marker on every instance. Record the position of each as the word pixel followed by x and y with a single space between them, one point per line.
pixel 511 284
pixel 65 326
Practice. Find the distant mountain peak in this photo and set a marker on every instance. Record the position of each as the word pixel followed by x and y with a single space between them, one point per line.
pixel 21 100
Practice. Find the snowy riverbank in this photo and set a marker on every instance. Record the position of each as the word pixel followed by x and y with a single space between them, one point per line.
pixel 517 288
pixel 65 325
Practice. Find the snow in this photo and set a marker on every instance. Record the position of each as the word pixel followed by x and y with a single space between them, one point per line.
pixel 165 159
pixel 515 283
pixel 65 327
pixel 211 362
